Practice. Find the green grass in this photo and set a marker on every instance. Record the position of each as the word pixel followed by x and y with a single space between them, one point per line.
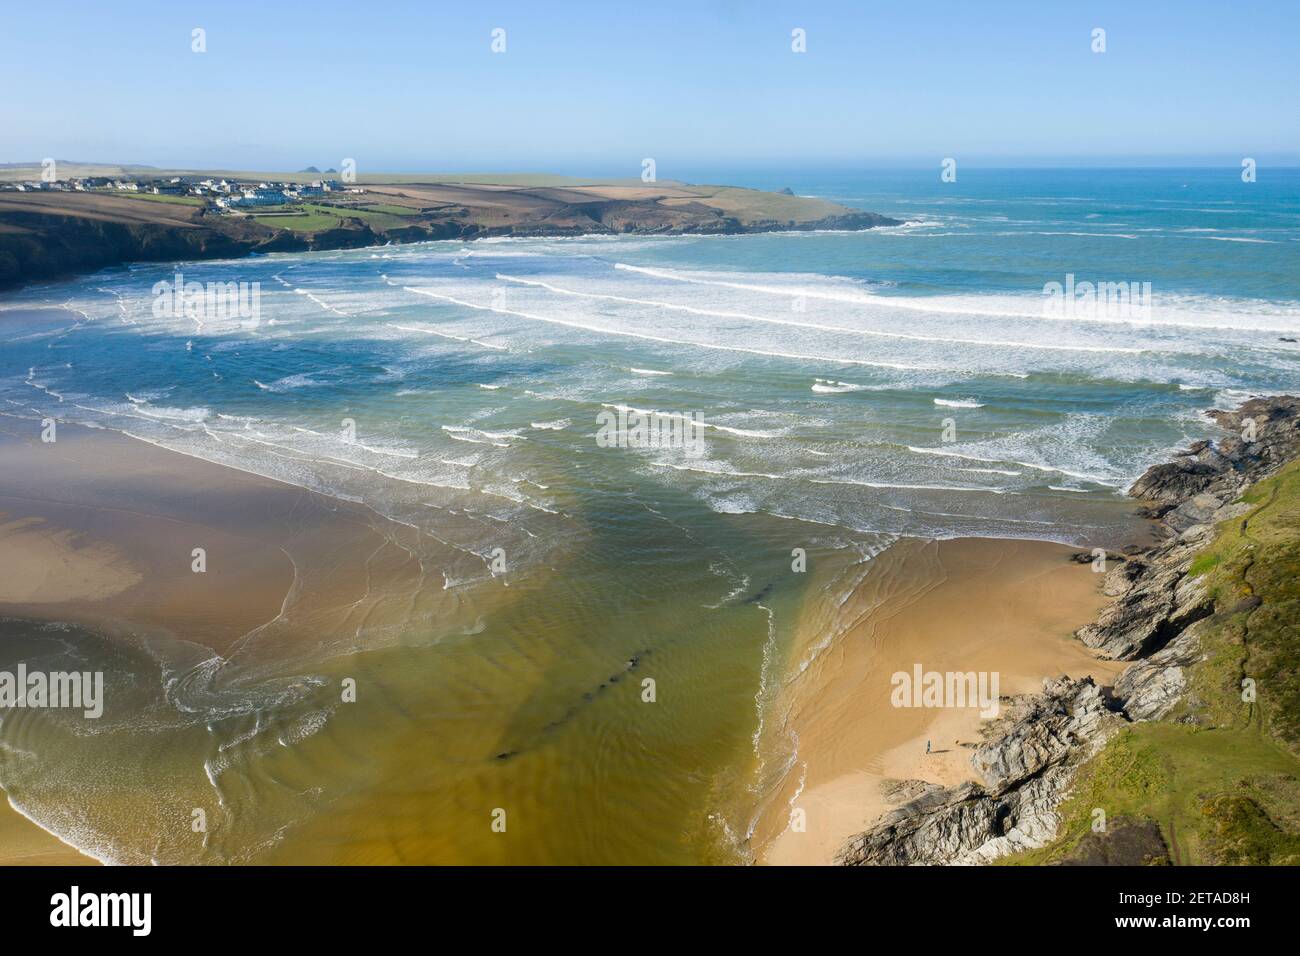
pixel 177 200
pixel 1221 774
pixel 315 217
pixel 375 219
pixel 1183 778
pixel 303 217
pixel 390 209
pixel 1256 560
pixel 749 205
pixel 1238 831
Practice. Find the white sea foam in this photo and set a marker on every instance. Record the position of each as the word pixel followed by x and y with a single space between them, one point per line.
pixel 448 335
pixel 943 453
pixel 174 414
pixel 1193 312
pixel 832 386
pixel 816 326
pixel 288 383
pixel 586 327
pixel 901 486
pixel 319 301
pixel 481 437
pixel 731 430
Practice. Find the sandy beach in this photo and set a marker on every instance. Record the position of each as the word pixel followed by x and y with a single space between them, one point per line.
pixel 958 605
pixel 99 529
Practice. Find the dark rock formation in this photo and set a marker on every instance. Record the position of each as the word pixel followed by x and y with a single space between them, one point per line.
pixel 1155 602
pixel 1221 469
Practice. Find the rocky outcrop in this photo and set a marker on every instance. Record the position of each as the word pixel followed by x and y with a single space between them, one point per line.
pixel 1262 436
pixel 1147 613
pixel 1156 599
pixel 1149 689
pixel 903 791
pixel 1022 763
pixel 1029 757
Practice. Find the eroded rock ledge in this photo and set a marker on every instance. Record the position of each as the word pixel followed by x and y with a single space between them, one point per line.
pixel 1029 756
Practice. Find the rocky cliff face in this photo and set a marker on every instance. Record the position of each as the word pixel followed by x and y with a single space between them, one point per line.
pixel 40 247
pixel 1156 599
pixel 1029 757
pixel 46 247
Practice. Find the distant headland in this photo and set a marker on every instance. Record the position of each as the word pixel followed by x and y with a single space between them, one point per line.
pixel 65 218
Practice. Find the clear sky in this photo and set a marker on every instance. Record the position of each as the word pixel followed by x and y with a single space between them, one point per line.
pixel 595 87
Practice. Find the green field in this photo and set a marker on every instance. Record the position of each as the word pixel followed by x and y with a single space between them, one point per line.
pixel 390 209
pixel 315 217
pixel 378 216
pixel 749 205
pixel 175 200
pixel 300 218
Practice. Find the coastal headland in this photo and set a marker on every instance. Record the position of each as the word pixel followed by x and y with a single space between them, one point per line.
pixel 107 216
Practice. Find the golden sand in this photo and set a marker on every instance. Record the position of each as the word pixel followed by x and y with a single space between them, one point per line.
pixel 44 564
pixel 99 529
pixel 23 843
pixel 962 605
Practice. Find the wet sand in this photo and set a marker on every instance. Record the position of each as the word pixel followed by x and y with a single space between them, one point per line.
pixel 961 605
pixel 45 565
pixel 100 529
pixel 23 843
pixel 103 530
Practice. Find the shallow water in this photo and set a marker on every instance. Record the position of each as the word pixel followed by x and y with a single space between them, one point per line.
pixel 855 387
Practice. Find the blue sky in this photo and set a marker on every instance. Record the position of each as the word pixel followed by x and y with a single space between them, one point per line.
pixel 595 87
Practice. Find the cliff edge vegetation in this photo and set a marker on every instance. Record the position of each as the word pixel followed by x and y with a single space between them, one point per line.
pixel 1193 755
pixel 1219 774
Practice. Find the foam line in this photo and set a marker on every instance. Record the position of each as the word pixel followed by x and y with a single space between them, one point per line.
pixel 745 316
pixel 655 338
